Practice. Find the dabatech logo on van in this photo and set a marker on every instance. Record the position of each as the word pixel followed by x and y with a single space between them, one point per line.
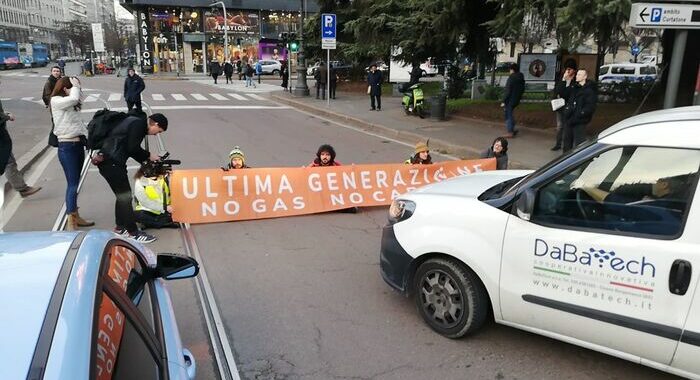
pixel 594 258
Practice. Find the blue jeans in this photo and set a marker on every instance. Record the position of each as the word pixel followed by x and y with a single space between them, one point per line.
pixel 71 156
pixel 510 121
pixel 249 81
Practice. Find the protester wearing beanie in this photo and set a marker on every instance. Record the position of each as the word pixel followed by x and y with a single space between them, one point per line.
pixel 421 156
pixel 236 159
pixel 325 156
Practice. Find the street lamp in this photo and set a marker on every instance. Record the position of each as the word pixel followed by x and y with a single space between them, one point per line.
pixel 223 6
pixel 301 89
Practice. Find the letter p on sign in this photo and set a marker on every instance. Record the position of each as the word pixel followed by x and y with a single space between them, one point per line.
pixel 656 14
pixel 328 21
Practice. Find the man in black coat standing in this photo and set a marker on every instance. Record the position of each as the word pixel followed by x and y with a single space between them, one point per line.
pixel 515 86
pixel 215 69
pixel 133 87
pixel 228 72
pixel 562 90
pixel 579 110
pixel 374 81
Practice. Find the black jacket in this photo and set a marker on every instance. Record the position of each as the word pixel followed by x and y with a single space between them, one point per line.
pixel 581 104
pixel 125 140
pixel 515 86
pixel 375 81
pixel 321 75
pixel 416 73
pixel 501 159
pixel 5 141
pixel 48 89
pixel 133 87
pixel 228 69
pixel 215 68
pixel 564 90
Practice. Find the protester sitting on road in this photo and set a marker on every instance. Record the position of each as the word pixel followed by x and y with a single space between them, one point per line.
pixel 236 160
pixel 498 150
pixel 71 134
pixel 421 156
pixel 152 194
pixel 325 156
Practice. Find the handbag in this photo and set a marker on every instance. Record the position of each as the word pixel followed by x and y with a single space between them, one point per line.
pixel 53 140
pixel 369 90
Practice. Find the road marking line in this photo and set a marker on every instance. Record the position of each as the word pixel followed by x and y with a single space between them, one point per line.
pixel 196 107
pixel 92 98
pixel 256 97
pixel 179 97
pixel 11 207
pixel 218 97
pixel 114 97
pixel 238 97
pixel 199 97
pixel 158 97
pixel 31 99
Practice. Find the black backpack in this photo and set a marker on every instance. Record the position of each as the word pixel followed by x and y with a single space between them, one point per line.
pixel 100 126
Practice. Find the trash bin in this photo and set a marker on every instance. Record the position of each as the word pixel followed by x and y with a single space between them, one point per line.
pixel 438 106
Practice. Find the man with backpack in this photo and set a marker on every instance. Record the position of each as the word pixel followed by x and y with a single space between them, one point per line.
pixel 118 141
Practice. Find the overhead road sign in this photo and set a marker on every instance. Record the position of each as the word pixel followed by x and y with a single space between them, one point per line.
pixel 665 16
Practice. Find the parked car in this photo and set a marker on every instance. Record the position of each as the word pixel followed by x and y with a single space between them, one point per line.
pixel 82 305
pixel 341 67
pixel 598 248
pixel 501 67
pixel 632 72
pixel 271 66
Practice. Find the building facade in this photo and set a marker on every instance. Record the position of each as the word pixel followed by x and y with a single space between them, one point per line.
pixel 187 35
pixel 14 20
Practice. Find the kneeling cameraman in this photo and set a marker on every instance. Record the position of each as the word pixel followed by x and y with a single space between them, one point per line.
pixel 152 194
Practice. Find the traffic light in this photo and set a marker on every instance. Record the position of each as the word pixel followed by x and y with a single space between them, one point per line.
pixel 294 46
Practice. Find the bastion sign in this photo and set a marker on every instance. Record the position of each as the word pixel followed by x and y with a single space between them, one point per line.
pixel 213 195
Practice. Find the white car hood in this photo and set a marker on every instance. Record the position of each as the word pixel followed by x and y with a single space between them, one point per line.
pixel 471 185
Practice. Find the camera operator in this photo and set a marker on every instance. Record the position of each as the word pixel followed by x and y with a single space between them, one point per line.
pixel 124 141
pixel 152 194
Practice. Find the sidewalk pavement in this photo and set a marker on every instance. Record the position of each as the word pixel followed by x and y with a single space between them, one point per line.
pixel 459 136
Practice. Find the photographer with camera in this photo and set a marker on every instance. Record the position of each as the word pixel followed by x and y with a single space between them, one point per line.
pixel 122 142
pixel 152 194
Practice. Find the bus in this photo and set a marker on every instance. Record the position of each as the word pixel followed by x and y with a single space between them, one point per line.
pixel 9 55
pixel 26 54
pixel 41 55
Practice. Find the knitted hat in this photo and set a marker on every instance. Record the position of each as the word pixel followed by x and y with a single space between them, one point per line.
pixel 422 147
pixel 236 152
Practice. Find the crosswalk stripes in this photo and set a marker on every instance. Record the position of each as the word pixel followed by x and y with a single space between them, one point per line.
pixel 179 97
pixel 237 96
pixel 218 97
pixel 158 97
pixel 256 97
pixel 114 97
pixel 199 97
pixel 92 98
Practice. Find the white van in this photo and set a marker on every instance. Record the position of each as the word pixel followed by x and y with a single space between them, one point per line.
pixel 633 72
pixel 599 248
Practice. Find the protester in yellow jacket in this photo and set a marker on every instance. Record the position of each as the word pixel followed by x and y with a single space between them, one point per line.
pixel 153 208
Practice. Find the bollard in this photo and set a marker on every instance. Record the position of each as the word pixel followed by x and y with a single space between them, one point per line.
pixel 438 106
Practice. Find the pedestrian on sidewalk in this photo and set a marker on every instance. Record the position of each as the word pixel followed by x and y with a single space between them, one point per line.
pixel 236 160
pixel 71 134
pixel 563 90
pixel 515 86
pixel 579 111
pixel 133 87
pixel 122 142
pixel 215 69
pixel 374 89
pixel 239 68
pixel 421 155
pixel 87 67
pixel 46 97
pixel 62 66
pixel 228 72
pixel 334 82
pixel 321 76
pixel 8 164
pixel 249 72
pixel 153 207
pixel 499 151
pixel 258 70
pixel 284 73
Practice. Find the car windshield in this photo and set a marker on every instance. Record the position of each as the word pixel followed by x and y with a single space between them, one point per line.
pixel 498 190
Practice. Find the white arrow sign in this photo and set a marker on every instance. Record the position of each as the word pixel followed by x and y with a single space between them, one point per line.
pixel 665 16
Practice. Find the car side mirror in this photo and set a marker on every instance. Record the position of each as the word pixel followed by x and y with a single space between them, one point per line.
pixel 174 267
pixel 525 204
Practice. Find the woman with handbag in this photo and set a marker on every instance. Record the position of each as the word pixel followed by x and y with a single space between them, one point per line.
pixel 71 133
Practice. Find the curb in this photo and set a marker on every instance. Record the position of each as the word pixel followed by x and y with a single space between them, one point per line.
pixel 548 132
pixel 442 146
pixel 26 166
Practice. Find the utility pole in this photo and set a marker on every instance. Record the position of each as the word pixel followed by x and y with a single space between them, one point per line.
pixel 301 89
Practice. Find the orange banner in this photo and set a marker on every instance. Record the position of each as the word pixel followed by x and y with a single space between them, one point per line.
pixel 213 195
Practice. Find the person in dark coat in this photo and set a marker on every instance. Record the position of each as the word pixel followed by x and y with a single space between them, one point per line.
pixel 133 87
pixel 579 111
pixel 515 86
pixel 499 151
pixel 374 81
pixel 239 68
pixel 284 73
pixel 562 90
pixel 50 84
pixel 321 76
pixel 333 83
pixel 416 74
pixel 215 69
pixel 5 141
pixel 228 72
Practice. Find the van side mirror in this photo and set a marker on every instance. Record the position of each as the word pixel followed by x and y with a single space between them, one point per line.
pixel 525 204
pixel 172 266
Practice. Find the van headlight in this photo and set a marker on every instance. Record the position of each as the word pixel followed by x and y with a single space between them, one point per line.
pixel 401 210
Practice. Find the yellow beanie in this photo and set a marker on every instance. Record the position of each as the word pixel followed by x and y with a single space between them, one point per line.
pixel 422 147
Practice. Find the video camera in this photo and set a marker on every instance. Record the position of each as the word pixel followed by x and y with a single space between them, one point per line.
pixel 160 167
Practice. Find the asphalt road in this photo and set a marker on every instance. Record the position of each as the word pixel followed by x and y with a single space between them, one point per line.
pixel 300 298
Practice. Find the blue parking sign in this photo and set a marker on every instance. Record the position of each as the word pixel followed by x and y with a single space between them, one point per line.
pixel 328 23
pixel 656 14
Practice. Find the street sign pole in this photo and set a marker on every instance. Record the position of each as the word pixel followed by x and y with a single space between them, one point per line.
pixel 328 80
pixel 674 72
pixel 328 41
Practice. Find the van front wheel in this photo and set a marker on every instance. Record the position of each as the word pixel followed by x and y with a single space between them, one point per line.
pixel 450 298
